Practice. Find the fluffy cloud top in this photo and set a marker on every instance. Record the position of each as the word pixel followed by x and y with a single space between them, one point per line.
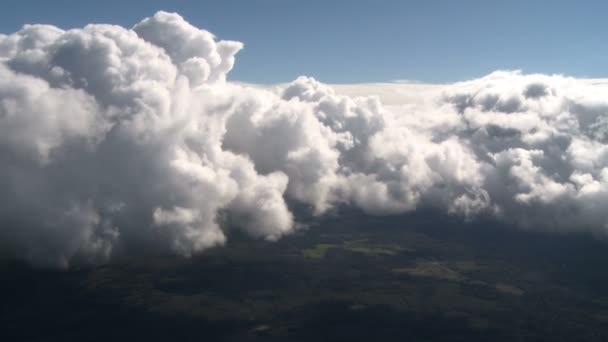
pixel 117 141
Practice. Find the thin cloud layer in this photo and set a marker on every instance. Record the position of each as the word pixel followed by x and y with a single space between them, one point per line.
pixel 118 141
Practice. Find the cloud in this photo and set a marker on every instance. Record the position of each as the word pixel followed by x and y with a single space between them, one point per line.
pixel 118 141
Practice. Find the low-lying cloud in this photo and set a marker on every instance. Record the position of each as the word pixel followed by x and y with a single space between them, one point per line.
pixel 117 141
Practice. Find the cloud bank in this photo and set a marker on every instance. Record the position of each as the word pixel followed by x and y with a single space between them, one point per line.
pixel 115 141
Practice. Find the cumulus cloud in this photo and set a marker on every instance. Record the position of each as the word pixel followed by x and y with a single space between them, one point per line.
pixel 116 141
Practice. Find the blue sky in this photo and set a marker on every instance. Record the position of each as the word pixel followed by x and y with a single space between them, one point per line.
pixel 365 41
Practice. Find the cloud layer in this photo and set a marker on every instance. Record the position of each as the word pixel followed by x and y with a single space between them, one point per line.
pixel 117 141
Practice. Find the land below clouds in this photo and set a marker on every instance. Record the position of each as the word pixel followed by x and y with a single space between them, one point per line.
pixel 346 277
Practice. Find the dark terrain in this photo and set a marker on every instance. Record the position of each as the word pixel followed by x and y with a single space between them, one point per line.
pixel 352 278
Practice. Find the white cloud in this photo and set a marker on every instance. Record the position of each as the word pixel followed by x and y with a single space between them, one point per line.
pixel 116 140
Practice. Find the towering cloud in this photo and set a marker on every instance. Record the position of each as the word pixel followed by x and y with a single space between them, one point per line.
pixel 117 141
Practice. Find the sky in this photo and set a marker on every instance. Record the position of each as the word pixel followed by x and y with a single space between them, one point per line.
pixel 369 41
